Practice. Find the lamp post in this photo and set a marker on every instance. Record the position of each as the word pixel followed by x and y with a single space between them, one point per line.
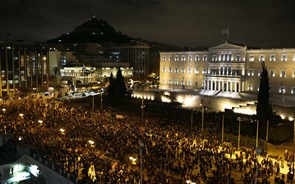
pixel 222 128
pixel 257 131
pixel 142 107
pixel 141 145
pixel 202 117
pixel 239 135
pixel 293 145
pixel 101 98
pixel 192 119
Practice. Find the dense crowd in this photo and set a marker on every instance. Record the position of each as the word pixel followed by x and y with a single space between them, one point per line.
pixel 72 139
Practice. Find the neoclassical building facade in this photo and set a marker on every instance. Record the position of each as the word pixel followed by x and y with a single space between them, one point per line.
pixel 228 67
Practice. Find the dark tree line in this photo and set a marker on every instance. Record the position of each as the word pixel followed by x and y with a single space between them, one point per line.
pixel 264 107
pixel 117 87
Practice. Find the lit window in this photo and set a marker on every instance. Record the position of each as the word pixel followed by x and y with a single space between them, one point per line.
pixel 205 58
pixel 197 58
pixel 238 58
pixel 182 58
pixel 261 58
pixel 214 58
pixel 250 72
pixel 189 83
pixel 170 81
pixel 190 58
pixel 176 81
pixel 282 89
pixel 230 57
pixel 250 87
pixel 284 57
pixel 182 70
pixel 164 58
pixel 293 90
pixel 164 69
pixel 176 58
pixel 251 58
pixel 196 70
pixel 272 73
pixel 189 70
pixel 283 73
pixel 205 71
pixel 272 57
pixel 293 75
pixel 170 69
pixel 259 72
pixel 176 70
pixel 170 58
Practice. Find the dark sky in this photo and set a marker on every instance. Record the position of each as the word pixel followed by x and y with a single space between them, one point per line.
pixel 261 23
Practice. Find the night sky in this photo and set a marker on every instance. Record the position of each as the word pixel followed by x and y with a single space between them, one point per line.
pixel 257 23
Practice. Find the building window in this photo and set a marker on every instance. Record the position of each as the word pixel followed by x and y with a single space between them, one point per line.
pixel 164 69
pixel 176 70
pixel 196 70
pixel 182 82
pixel 189 70
pixel 176 81
pixel 293 90
pixel 190 58
pixel 197 58
pixel 204 70
pixel 272 73
pixel 176 58
pixel 294 57
pixel 214 58
pixel 189 83
pixel 284 57
pixel 251 57
pixel 293 74
pixel 163 81
pixel 182 58
pixel 272 58
pixel 230 57
pixel 170 58
pixel 250 72
pixel 238 58
pixel 164 58
pixel 282 89
pixel 205 58
pixel 250 87
pixel 182 70
pixel 259 72
pixel 283 73
pixel 261 58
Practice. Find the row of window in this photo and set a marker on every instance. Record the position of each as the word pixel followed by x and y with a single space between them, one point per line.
pixel 224 71
pixel 281 90
pixel 226 57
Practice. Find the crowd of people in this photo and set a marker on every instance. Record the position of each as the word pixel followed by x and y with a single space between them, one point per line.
pixel 71 138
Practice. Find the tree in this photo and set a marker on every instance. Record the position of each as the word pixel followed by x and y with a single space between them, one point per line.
pixel 111 87
pixel 117 86
pixel 263 108
pixel 120 84
pixel 55 70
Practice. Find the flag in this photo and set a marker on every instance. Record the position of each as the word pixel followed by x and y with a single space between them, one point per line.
pixel 225 31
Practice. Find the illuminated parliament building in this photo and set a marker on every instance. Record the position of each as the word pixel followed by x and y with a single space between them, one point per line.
pixel 228 68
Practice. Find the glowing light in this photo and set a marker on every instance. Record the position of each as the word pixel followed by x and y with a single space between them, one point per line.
pixel 40 121
pixel 62 131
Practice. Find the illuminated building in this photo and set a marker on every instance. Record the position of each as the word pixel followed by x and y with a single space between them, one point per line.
pixel 228 68
pixel 23 65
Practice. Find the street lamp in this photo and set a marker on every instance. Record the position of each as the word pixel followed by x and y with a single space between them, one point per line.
pixel 141 145
pixel 257 131
pixel 101 92
pixel 142 107
pixel 203 109
pixel 239 135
